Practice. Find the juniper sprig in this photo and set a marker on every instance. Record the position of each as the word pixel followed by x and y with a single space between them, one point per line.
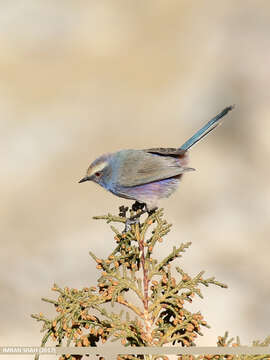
pixel 138 299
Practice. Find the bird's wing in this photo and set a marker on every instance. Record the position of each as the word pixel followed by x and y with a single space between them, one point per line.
pixel 166 151
pixel 140 167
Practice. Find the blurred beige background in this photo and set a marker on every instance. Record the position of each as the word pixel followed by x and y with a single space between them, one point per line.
pixel 82 78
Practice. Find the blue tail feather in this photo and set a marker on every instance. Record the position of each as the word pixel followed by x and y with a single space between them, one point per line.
pixel 211 125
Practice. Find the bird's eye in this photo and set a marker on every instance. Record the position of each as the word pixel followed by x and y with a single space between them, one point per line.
pixel 98 174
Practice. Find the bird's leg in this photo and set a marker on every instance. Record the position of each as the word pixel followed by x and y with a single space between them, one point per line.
pixel 130 221
pixel 135 219
pixel 141 209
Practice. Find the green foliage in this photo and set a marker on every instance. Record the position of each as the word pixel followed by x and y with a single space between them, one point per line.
pixel 157 314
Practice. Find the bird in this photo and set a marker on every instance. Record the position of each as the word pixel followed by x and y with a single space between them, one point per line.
pixel 147 175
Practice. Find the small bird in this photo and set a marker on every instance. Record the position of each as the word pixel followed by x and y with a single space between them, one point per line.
pixel 147 175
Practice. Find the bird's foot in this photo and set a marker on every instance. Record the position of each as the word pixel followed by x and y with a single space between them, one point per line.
pixel 134 219
pixel 138 206
pixel 123 211
pixel 152 211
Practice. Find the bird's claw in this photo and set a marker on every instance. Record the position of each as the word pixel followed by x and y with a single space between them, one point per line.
pixel 138 206
pixel 123 211
pixel 152 211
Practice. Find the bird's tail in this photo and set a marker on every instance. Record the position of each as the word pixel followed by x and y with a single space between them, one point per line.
pixel 206 129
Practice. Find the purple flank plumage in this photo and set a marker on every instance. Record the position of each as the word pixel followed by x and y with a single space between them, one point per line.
pixel 149 193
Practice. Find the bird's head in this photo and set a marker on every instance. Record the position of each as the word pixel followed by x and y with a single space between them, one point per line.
pixel 99 171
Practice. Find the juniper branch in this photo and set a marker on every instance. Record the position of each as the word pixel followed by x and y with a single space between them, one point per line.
pixel 84 317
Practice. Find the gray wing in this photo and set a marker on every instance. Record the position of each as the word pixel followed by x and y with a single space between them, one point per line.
pixel 140 167
pixel 166 151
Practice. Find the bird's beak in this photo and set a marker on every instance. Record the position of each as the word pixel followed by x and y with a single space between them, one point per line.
pixel 86 178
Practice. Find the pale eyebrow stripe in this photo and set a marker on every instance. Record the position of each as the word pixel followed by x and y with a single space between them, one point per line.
pixel 96 168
